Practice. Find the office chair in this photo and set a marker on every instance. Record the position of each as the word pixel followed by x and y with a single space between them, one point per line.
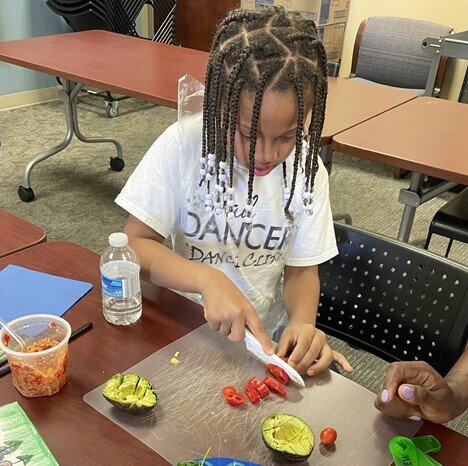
pixel 394 300
pixel 451 221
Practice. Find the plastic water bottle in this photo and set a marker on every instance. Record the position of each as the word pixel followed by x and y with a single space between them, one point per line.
pixel 120 277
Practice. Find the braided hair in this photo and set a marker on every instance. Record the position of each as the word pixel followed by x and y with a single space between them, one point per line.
pixel 253 50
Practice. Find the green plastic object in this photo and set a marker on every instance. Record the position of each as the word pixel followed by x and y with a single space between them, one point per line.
pixel 413 452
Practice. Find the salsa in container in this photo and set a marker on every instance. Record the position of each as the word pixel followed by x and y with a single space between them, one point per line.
pixel 41 367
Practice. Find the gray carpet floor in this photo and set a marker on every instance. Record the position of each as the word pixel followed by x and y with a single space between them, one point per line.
pixel 76 188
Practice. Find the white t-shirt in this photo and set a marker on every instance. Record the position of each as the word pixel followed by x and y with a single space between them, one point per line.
pixel 163 193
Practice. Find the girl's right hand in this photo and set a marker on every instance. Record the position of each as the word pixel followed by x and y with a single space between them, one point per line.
pixel 228 311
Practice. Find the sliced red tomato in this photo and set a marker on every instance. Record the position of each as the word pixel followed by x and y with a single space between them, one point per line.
pixel 328 436
pixel 236 399
pixel 276 386
pixel 228 391
pixel 252 393
pixel 279 373
pixel 259 386
pixel 6 339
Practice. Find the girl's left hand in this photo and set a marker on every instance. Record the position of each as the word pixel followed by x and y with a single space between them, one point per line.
pixel 308 344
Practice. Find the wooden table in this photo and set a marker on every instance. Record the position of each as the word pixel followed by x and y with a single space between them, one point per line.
pixel 73 430
pixel 350 103
pixel 17 233
pixel 427 136
pixel 114 62
pixel 150 71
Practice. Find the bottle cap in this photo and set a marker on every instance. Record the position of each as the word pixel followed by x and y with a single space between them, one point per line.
pixel 118 240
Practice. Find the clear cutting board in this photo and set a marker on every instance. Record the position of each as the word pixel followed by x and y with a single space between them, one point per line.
pixel 192 415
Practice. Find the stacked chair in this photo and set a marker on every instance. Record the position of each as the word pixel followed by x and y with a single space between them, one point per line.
pixel 111 15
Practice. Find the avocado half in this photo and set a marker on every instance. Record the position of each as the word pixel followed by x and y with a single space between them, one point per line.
pixel 130 393
pixel 288 436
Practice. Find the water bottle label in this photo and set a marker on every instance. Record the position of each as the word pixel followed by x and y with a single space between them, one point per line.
pixel 118 287
pixel 112 286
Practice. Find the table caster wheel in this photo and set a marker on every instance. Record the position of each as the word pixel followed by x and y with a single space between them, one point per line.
pixel 25 194
pixel 117 164
pixel 112 109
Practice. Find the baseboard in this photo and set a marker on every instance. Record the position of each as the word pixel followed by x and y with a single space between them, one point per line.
pixel 22 99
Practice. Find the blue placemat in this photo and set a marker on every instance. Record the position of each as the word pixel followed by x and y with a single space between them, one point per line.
pixel 24 291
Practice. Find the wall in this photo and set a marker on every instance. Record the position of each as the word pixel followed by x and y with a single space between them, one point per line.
pixel 20 19
pixel 452 13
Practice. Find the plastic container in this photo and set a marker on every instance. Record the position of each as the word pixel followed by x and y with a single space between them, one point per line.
pixel 41 368
pixel 120 277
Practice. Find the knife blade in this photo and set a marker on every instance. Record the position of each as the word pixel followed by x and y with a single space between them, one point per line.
pixel 253 346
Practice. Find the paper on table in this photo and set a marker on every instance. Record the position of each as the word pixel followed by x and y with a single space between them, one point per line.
pixel 24 292
pixel 20 443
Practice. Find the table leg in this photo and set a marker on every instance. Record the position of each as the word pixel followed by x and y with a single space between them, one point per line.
pixel 83 138
pixel 68 95
pixel 411 198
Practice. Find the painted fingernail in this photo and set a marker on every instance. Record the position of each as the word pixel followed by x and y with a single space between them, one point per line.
pixel 415 418
pixel 384 395
pixel 408 392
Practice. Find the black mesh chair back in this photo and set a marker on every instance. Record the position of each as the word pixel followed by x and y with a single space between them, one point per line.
pixel 394 300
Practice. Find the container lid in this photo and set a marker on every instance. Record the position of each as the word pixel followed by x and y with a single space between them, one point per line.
pixel 118 240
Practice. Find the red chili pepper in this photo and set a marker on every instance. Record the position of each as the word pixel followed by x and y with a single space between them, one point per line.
pixel 235 399
pixel 252 393
pixel 279 373
pixel 259 386
pixel 276 386
pixel 228 391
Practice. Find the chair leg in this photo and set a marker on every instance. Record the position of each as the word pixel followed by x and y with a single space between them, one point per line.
pixel 428 240
pixel 448 247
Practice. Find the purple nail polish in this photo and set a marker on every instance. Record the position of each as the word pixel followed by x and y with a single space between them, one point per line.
pixel 415 418
pixel 408 392
pixel 384 396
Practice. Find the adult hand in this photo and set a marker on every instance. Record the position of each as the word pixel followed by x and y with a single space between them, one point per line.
pixel 307 344
pixel 228 311
pixel 416 390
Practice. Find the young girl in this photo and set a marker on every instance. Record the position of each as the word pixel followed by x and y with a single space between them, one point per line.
pixel 241 191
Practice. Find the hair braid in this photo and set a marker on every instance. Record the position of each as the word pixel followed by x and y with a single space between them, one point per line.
pixel 253 131
pixel 299 137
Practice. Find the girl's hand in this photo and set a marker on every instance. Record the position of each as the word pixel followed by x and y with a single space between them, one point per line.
pixel 416 390
pixel 228 311
pixel 308 344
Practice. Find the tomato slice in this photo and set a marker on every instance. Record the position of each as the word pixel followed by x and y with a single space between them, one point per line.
pixel 252 393
pixel 328 436
pixel 259 386
pixel 276 386
pixel 228 391
pixel 236 399
pixel 279 373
